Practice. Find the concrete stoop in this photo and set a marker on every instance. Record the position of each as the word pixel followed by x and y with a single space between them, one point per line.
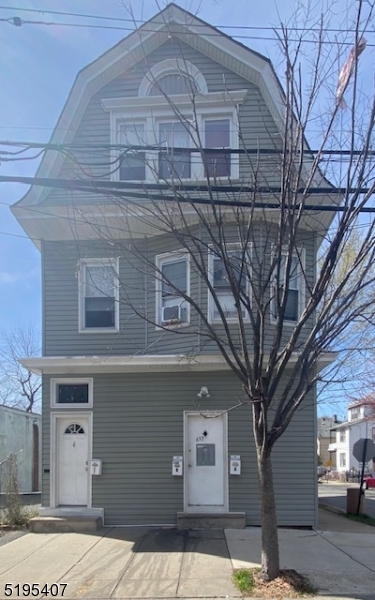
pixel 233 520
pixel 64 524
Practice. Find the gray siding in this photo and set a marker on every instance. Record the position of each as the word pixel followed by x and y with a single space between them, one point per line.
pixel 258 130
pixel 137 293
pixel 138 428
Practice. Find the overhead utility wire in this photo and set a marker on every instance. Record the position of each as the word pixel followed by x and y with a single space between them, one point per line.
pixel 158 148
pixel 139 22
pixel 121 189
pixel 18 22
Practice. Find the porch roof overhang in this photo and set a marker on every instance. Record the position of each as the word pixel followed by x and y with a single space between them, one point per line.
pixel 62 365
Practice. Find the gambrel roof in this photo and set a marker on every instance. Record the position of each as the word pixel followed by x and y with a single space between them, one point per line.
pixel 121 57
pixel 174 22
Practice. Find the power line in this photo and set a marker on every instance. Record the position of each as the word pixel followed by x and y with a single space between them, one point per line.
pixel 122 189
pixel 18 22
pixel 161 147
pixel 139 22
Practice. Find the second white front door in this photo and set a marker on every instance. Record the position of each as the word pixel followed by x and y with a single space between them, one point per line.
pixel 72 458
pixel 206 462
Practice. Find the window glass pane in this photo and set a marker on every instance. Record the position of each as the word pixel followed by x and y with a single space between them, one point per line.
pixel 174 162
pixel 99 281
pixel 294 271
pixel 72 393
pixel 99 300
pixel 291 308
pixel 222 286
pixel 175 272
pixel 220 274
pixel 132 163
pixel 99 312
pixel 217 135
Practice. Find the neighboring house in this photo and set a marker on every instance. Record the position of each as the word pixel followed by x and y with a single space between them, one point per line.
pixel 20 435
pixel 325 425
pixel 116 388
pixel 360 424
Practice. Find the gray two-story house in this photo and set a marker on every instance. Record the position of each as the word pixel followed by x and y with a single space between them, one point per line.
pixel 136 394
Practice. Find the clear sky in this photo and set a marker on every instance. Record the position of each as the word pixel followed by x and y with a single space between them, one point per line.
pixel 38 64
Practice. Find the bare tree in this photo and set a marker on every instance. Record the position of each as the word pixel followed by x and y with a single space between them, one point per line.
pixel 19 388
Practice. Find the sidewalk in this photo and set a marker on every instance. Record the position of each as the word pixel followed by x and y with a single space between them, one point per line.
pixel 339 559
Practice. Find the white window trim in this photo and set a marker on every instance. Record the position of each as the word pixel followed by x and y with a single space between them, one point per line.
pixel 83 263
pixel 153 109
pixel 170 119
pixel 210 301
pixel 300 255
pixel 71 381
pixel 161 259
pixel 233 139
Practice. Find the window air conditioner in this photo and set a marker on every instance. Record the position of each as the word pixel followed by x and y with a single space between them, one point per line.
pixel 172 314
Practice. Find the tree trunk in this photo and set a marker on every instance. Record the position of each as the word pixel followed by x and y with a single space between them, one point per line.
pixel 270 540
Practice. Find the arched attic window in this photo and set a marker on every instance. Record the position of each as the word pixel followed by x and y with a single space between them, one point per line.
pixel 173 76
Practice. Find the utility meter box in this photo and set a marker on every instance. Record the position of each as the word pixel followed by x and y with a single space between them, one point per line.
pixel 96 466
pixel 177 466
pixel 235 464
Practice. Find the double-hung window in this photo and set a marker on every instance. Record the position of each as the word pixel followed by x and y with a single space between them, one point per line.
pixel 221 277
pixel 132 165
pixel 172 283
pixel 99 299
pixel 292 285
pixel 174 159
pixel 217 135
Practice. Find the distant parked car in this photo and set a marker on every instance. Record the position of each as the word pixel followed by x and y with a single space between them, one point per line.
pixel 369 482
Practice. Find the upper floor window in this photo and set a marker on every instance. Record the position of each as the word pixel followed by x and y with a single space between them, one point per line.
pixel 220 276
pixel 342 435
pixel 292 284
pixel 132 165
pixel 175 111
pixel 355 413
pixel 217 135
pixel 174 161
pixel 172 282
pixel 99 297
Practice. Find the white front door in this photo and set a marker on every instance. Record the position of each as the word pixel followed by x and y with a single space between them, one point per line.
pixel 206 462
pixel 72 461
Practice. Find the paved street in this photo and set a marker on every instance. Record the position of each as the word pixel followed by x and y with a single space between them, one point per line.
pixel 334 494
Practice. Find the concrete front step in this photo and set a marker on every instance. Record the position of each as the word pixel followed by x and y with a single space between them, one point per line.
pixel 64 524
pixel 234 520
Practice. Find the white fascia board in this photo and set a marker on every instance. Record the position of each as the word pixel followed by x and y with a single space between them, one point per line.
pixel 212 99
pixel 55 365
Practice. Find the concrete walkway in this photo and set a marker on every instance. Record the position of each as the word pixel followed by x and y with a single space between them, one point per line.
pixel 128 563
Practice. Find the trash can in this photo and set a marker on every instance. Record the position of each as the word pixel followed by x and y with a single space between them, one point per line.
pixel 352 501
